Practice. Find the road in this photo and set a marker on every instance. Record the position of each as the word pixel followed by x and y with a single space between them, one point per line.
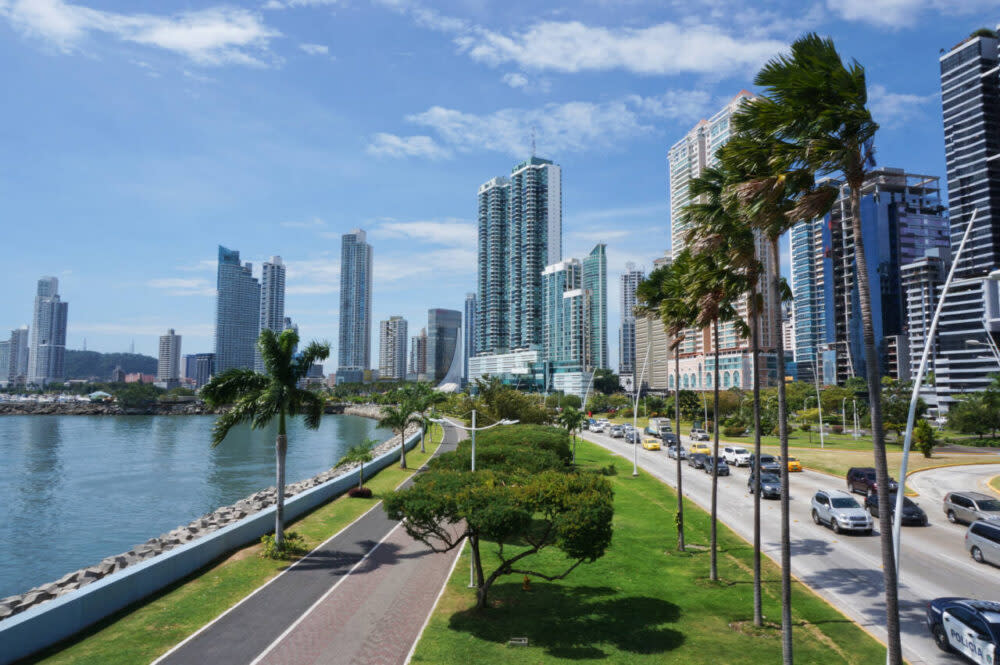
pixel 933 484
pixel 845 570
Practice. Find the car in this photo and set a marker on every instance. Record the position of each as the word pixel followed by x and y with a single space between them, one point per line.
pixel 617 432
pixel 736 455
pixel 698 434
pixel 970 506
pixel 913 515
pixel 670 438
pixel 697 460
pixel 672 452
pixel 770 485
pixel 632 436
pixel 595 427
pixel 716 461
pixel 793 464
pixel 982 539
pixel 840 511
pixel 700 448
pixel 649 443
pixel 767 463
pixel 861 479
pixel 969 627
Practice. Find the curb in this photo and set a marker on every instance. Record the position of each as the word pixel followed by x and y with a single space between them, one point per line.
pixel 913 492
pixel 993 484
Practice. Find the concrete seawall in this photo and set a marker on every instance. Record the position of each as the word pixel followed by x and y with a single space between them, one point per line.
pixel 60 617
pixel 179 408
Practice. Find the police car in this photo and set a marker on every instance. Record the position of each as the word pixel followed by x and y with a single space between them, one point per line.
pixel 966 626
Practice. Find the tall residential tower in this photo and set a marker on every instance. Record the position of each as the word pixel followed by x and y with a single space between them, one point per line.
pixel 237 313
pixel 47 349
pixel 354 350
pixel 392 349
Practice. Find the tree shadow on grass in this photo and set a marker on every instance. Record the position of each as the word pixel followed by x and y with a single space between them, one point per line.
pixel 574 623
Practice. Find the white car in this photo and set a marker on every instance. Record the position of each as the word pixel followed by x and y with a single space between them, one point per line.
pixel 841 511
pixel 698 434
pixel 736 455
pixel 672 452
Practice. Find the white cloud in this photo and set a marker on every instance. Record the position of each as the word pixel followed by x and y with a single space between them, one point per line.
pixel 903 13
pixel 213 36
pixel 515 80
pixel 313 276
pixel 313 223
pixel 391 145
pixel 288 4
pixel 665 48
pixel 648 210
pixel 893 109
pixel 315 49
pixel 178 286
pixel 598 235
pixel 449 232
pixel 439 263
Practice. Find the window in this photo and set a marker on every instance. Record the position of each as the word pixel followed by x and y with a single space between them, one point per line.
pixel 845 502
pixel 820 499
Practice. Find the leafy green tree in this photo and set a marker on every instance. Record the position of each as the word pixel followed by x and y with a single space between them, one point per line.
pixel 258 399
pixel 655 404
pixel 397 418
pixel 572 420
pixel 552 400
pixel 896 405
pixel 137 395
pixel 606 381
pixel 423 398
pixel 924 437
pixel 571 402
pixel 360 453
pixel 497 401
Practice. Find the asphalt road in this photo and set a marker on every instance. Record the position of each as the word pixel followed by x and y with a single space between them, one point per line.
pixel 845 570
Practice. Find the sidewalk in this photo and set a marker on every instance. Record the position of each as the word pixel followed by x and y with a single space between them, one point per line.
pixel 360 598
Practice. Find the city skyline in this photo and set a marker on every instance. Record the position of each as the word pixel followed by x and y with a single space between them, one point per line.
pixel 291 172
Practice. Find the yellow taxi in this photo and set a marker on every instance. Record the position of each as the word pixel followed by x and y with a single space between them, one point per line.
pixel 702 448
pixel 794 464
pixel 650 444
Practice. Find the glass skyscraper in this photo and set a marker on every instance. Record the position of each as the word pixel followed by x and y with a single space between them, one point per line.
pixel 237 313
pixel 574 294
pixel 272 300
pixel 47 350
pixel 354 350
pixel 595 285
pixel 520 233
pixel 630 280
pixel 469 333
pixel 443 327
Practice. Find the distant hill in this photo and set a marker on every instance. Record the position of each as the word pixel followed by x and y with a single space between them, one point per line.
pixel 85 364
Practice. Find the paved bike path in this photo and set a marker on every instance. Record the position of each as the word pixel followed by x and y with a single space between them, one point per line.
pixel 251 628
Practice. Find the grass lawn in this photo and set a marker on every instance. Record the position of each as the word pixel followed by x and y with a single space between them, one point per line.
pixel 995 483
pixel 643 602
pixel 142 632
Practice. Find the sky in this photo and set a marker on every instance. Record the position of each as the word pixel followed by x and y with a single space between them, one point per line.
pixel 135 137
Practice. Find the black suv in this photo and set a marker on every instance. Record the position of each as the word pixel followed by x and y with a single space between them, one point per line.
pixel 768 464
pixel 861 479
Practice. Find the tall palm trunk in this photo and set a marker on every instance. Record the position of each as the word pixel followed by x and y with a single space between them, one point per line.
pixel 895 650
pixel 423 430
pixel 758 611
pixel 677 424
pixel 786 542
pixel 280 448
pixel 402 448
pixel 713 572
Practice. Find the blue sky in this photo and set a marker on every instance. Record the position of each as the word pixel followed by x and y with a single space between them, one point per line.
pixel 137 136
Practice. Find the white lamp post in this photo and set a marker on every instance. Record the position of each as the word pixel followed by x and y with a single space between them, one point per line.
pixel 635 414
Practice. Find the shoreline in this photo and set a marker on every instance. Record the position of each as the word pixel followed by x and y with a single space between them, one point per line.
pixel 179 408
pixel 207 523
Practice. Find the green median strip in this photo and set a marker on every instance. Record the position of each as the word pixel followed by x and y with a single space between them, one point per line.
pixel 643 602
pixel 145 631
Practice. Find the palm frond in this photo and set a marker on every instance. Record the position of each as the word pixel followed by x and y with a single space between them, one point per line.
pixel 243 411
pixel 312 406
pixel 229 386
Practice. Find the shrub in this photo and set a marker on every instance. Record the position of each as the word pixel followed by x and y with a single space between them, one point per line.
pixel 805 427
pixel 732 431
pixel 838 429
pixel 359 493
pixel 293 546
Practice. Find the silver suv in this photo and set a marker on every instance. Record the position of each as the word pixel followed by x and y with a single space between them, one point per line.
pixel 970 506
pixel 983 541
pixel 841 511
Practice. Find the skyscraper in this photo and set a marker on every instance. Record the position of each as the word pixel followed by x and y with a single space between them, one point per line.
pixel 630 280
pixel 48 335
pixel 970 100
pixel 595 285
pixel 469 333
pixel 272 301
pixel 354 350
pixel 520 233
pixel 17 367
pixel 237 313
pixel 418 354
pixel 168 369
pixel 807 282
pixel 392 349
pixel 442 341
pixel 4 362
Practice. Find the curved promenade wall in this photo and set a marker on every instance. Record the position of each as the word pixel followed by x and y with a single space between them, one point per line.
pixel 55 620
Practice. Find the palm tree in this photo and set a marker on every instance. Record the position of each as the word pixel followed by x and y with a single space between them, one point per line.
pixel 726 270
pixel 571 419
pixel 397 418
pixel 814 109
pixel 260 398
pixel 424 398
pixel 359 453
pixel 667 294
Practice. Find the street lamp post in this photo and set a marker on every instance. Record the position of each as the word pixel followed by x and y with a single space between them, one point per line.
pixel 857 434
pixel 635 413
pixel 805 402
pixel 819 404
pixel 914 398
pixel 843 414
pixel 472 434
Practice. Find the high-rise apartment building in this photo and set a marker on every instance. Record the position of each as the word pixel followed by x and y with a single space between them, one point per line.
pixel 443 327
pixel 970 101
pixel 272 301
pixel 4 362
pixel 392 349
pixel 47 349
pixel 922 282
pixel 595 284
pixel 418 354
pixel 354 350
pixel 520 233
pixel 17 357
pixel 469 333
pixel 237 313
pixel 630 280
pixel 901 219
pixel 686 159
pixel 168 368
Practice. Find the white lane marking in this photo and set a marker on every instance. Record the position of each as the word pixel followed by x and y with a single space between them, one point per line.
pixel 437 600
